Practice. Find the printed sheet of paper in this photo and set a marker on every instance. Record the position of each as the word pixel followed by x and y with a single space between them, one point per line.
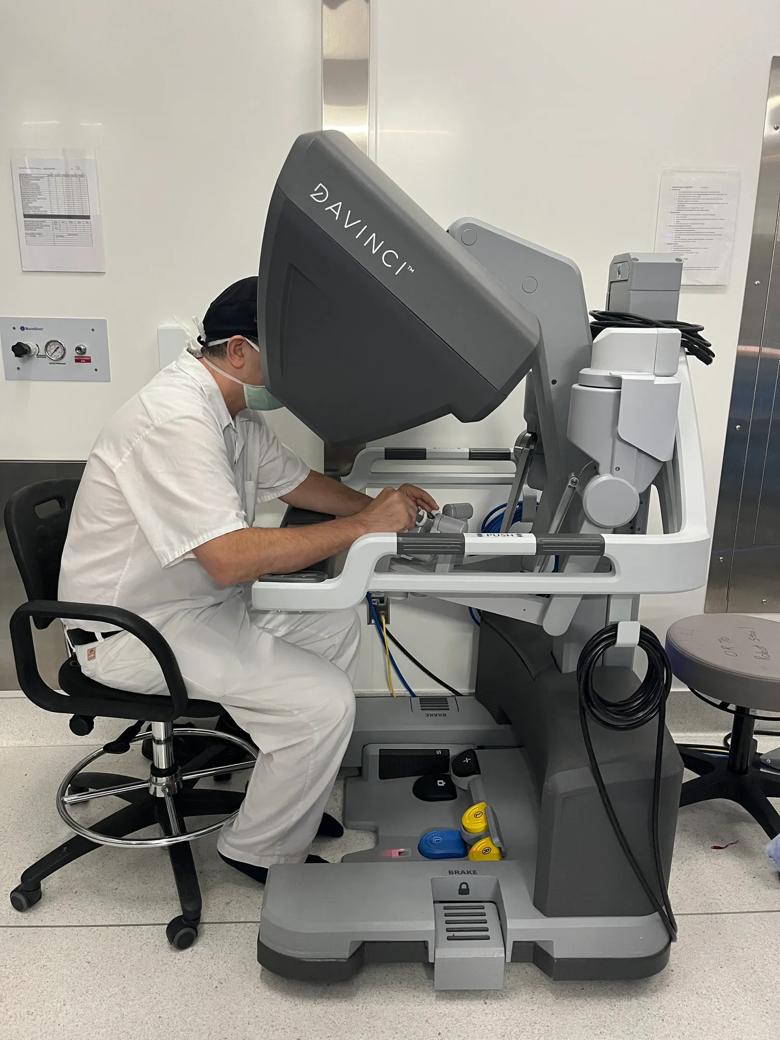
pixel 58 214
pixel 697 216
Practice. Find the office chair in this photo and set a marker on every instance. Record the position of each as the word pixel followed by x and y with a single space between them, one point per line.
pixel 36 520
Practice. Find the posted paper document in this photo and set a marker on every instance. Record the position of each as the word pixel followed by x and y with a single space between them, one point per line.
pixel 697 217
pixel 58 214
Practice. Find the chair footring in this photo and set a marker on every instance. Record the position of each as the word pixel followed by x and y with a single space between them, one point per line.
pixel 190 801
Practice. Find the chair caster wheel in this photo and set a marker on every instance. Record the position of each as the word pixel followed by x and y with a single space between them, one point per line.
pixel 181 934
pixel 23 898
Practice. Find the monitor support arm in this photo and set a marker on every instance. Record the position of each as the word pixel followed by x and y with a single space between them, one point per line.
pixel 550 286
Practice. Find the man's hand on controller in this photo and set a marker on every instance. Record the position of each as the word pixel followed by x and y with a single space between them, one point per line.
pixel 421 499
pixel 394 510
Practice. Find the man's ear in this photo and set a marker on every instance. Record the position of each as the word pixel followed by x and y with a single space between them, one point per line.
pixel 235 350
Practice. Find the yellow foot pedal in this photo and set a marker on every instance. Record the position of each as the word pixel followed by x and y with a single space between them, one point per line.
pixel 475 819
pixel 484 849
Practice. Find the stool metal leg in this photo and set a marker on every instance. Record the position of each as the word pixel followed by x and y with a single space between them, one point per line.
pixel 127 791
pixel 128 788
pixel 192 776
pixel 219 758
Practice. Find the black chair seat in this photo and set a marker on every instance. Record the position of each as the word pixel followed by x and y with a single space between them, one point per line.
pixel 94 698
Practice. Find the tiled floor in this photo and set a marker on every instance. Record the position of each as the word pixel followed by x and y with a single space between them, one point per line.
pixel 91 959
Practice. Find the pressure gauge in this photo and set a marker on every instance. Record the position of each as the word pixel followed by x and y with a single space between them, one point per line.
pixel 55 350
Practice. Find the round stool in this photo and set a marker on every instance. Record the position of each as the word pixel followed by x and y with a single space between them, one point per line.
pixel 735 660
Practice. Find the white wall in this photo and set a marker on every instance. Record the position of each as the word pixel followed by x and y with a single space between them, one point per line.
pixel 190 106
pixel 551 119
pixel 554 120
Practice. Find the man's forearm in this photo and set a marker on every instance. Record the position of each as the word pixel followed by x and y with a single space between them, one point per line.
pixel 247 554
pixel 325 495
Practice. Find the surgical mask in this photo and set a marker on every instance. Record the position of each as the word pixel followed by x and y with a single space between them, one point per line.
pixel 258 398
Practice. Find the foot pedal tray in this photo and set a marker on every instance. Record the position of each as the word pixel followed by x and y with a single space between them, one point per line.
pixel 469 951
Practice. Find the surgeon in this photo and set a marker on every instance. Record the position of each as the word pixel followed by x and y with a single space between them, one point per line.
pixel 162 525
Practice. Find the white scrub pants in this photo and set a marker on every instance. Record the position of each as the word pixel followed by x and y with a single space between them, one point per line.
pixel 282 677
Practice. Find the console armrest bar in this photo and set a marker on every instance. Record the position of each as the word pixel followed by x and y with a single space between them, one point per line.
pixel 407 454
pixel 455 544
pixel 570 544
pixel 424 544
pixel 490 455
pixel 473 454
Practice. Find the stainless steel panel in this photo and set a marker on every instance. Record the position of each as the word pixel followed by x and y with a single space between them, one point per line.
pixel 49 643
pixel 745 565
pixel 345 68
pixel 346 47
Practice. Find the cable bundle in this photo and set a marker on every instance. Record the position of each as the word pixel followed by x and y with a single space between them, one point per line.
pixel 694 343
pixel 390 661
pixel 640 707
pixel 386 637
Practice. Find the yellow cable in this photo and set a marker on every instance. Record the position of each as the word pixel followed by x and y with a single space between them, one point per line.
pixel 388 666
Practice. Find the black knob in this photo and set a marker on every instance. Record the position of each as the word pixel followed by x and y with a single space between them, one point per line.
pixel 21 350
pixel 465 764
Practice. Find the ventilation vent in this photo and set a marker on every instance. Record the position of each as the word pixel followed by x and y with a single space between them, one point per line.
pixel 434 703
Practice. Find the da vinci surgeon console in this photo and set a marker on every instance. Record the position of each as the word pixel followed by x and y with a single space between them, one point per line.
pixel 374 320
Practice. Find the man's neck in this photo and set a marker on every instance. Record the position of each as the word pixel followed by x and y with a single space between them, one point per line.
pixel 232 393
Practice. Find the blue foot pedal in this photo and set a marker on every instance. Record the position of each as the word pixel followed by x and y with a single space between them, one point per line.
pixel 442 844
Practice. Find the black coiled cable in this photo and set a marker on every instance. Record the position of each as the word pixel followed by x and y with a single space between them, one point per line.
pixel 639 708
pixel 692 340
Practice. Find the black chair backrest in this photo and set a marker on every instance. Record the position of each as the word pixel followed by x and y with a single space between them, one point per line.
pixel 36 521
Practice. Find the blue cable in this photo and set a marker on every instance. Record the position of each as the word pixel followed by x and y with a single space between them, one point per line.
pixel 490 516
pixel 491 524
pixel 378 626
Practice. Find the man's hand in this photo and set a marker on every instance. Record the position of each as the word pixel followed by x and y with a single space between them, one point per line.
pixel 421 499
pixel 240 556
pixel 390 512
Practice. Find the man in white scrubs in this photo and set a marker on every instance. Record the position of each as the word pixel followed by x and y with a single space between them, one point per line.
pixel 162 526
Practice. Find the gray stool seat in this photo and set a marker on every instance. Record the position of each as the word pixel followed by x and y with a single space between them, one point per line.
pixel 736 659
pixel 729 657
